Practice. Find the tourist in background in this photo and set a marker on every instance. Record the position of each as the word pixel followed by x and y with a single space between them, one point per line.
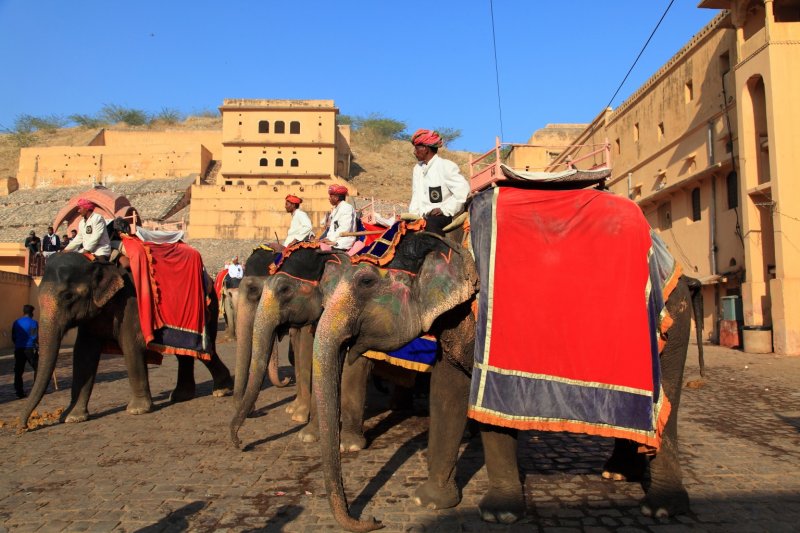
pixel 50 243
pixel 33 243
pixel 25 335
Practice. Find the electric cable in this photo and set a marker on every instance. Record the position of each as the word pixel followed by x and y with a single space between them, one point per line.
pixel 497 70
pixel 640 54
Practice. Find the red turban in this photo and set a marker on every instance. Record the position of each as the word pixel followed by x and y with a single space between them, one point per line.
pixel 337 189
pixel 426 138
pixel 83 203
pixel 294 199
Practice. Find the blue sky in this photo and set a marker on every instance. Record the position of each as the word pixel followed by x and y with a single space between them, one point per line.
pixel 428 64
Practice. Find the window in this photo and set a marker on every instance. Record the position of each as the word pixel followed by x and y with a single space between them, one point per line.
pixel 263 182
pixel 262 162
pixel 688 92
pixel 294 163
pixel 294 127
pixel 732 184
pixel 263 126
pixel 280 126
pixel 696 204
pixel 725 63
pixel 636 132
pixel 279 162
pixel 665 216
pixel 619 146
pixel 660 131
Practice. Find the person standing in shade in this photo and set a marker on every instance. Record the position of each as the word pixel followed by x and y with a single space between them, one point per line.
pixel 341 219
pixel 438 190
pixel 33 243
pixel 300 229
pixel 92 236
pixel 51 243
pixel 25 335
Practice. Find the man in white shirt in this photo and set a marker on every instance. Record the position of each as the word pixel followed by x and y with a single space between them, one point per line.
pixel 341 219
pixel 235 270
pixel 92 236
pixel 300 228
pixel 51 243
pixel 438 190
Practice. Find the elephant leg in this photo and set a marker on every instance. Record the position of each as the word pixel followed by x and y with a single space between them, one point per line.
pixel 505 500
pixel 354 393
pixel 448 418
pixel 310 432
pixel 185 387
pixel 302 342
pixel 666 496
pixel 625 463
pixel 85 359
pixel 223 382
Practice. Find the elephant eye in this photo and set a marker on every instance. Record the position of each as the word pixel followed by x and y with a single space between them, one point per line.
pixel 366 282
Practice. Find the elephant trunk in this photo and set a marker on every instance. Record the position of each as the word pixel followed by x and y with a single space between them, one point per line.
pixel 258 368
pixel 245 315
pixel 332 332
pixel 49 344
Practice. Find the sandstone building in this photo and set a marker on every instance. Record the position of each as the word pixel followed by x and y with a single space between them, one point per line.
pixel 707 148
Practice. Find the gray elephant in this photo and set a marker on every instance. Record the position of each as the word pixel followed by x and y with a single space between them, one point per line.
pixel 429 286
pixel 100 300
pixel 229 301
pixel 291 298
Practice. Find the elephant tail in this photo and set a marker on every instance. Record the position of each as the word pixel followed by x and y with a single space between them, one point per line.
pixel 696 290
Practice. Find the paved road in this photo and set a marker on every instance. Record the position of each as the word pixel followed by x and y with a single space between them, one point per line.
pixel 174 469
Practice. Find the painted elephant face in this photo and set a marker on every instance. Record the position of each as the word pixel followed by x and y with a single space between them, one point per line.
pixel 74 289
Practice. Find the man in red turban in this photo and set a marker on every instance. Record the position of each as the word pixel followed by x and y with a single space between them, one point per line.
pixel 300 229
pixel 92 236
pixel 341 219
pixel 438 190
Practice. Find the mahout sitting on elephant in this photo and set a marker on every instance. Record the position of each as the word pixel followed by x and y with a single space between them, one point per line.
pixel 430 286
pixel 100 299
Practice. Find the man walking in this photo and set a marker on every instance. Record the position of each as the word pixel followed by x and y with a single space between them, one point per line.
pixel 25 335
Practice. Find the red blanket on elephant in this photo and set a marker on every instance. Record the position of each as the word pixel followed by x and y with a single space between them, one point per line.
pixel 570 313
pixel 170 287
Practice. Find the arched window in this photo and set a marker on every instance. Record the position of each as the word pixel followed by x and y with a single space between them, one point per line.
pixel 732 184
pixel 280 126
pixel 294 163
pixel 296 183
pixel 696 213
pixel 240 182
pixel 294 126
pixel 262 162
pixel 279 182
pixel 263 126
pixel 263 182
pixel 279 162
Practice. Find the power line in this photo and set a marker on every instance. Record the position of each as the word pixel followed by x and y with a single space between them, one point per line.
pixel 496 70
pixel 640 54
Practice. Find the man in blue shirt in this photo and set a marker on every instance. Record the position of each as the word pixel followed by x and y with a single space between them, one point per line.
pixel 25 334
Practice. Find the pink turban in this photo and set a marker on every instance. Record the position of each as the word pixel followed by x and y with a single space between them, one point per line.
pixel 83 203
pixel 337 189
pixel 426 138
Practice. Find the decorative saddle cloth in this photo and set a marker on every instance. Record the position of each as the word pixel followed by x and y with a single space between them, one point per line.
pixel 570 314
pixel 171 291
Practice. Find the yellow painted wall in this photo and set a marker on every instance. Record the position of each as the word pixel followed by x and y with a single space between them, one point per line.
pixel 13 258
pixel 16 291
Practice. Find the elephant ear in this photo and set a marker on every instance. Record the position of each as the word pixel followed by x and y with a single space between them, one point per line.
pixel 447 278
pixel 106 282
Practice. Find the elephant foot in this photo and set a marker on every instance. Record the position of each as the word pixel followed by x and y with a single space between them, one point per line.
pixel 432 496
pixel 352 441
pixel 665 503
pixel 301 413
pixel 140 406
pixel 292 406
pixel 503 507
pixel 310 433
pixel 223 388
pixel 632 469
pixel 182 394
pixel 73 416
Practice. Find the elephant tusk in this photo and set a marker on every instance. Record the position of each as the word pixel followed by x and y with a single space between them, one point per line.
pixel 409 216
pixel 360 233
pixel 456 223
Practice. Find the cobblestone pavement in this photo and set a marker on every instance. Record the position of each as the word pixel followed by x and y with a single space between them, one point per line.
pixel 175 469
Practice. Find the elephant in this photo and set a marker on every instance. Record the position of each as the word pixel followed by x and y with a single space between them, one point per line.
pixel 430 286
pixel 99 298
pixel 291 299
pixel 229 301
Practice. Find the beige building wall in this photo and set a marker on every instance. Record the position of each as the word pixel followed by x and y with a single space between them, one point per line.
pixel 62 166
pixel 16 291
pixel 706 148
pixel 544 147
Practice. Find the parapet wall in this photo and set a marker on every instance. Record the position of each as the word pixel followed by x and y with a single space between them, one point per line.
pixel 64 166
